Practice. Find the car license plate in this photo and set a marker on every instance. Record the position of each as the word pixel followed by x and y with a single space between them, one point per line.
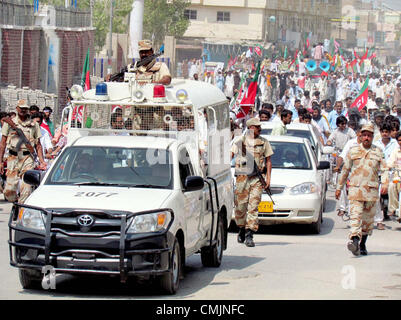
pixel 265 206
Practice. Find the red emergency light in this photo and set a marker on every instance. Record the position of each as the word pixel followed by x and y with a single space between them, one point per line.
pixel 159 91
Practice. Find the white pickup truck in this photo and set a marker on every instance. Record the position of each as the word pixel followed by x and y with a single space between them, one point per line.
pixel 133 202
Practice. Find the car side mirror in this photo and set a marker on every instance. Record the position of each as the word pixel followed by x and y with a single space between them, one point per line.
pixel 194 183
pixel 328 150
pixel 323 165
pixel 33 177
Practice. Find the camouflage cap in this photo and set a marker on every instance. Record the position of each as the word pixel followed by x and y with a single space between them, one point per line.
pixel 22 104
pixel 368 127
pixel 253 122
pixel 144 45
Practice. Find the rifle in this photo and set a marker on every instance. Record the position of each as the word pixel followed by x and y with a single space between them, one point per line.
pixel 258 173
pixel 143 62
pixel 23 140
pixel 262 180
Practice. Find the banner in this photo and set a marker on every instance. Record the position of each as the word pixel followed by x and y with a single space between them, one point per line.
pixel 362 100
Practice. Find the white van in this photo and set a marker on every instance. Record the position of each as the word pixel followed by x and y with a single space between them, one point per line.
pixel 131 202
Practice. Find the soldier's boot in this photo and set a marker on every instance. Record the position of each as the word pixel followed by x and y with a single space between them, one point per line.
pixel 249 238
pixel 362 246
pixel 353 246
pixel 241 235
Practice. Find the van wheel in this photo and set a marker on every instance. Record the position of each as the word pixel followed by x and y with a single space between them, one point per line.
pixel 170 281
pixel 30 279
pixel 212 256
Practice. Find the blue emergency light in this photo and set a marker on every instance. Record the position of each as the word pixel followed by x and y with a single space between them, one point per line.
pixel 101 91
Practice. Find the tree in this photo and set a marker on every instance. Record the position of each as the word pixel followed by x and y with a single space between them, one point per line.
pixel 162 17
pixel 101 18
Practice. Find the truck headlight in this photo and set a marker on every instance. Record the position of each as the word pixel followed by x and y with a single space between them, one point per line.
pixel 31 218
pixel 151 222
pixel 304 188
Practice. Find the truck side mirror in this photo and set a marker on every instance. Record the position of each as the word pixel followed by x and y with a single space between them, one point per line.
pixel 194 183
pixel 32 177
pixel 323 165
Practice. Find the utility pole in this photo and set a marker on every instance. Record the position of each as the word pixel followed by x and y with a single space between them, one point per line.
pixel 91 10
pixel 110 51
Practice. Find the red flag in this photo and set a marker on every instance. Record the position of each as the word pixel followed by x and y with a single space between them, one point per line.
pixel 248 101
pixel 362 99
pixel 258 50
pixel 356 55
pixel 77 113
pixel 365 55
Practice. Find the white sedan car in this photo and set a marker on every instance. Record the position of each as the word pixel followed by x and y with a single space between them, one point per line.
pixel 297 184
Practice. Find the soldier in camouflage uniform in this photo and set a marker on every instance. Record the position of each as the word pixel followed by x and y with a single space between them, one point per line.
pixel 363 164
pixel 19 161
pixel 249 189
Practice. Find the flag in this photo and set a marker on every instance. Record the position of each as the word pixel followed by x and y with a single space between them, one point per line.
pixel 365 55
pixel 331 47
pixel 353 65
pixel 77 113
pixel 85 79
pixel 248 101
pixel 371 53
pixel 362 99
pixel 258 50
pixel 337 46
pixel 285 53
pixel 238 96
pixel 356 55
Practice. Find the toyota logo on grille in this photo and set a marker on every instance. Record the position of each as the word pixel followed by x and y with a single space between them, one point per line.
pixel 85 220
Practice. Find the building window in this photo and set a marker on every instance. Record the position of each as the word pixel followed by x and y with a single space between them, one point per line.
pixel 223 16
pixel 190 14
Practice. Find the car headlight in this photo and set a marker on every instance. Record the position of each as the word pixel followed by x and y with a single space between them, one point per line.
pixel 304 188
pixel 151 222
pixel 31 218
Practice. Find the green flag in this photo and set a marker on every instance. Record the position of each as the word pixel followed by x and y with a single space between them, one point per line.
pixel 285 53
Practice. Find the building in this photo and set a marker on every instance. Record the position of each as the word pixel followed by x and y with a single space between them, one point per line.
pixel 225 28
pixel 367 24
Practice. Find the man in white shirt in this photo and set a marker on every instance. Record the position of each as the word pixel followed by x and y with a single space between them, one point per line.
pixel 388 145
pixel 45 139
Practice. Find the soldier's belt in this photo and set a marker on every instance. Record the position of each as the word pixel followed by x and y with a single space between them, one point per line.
pixel 15 153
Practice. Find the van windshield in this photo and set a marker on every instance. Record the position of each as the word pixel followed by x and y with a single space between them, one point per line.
pixel 109 166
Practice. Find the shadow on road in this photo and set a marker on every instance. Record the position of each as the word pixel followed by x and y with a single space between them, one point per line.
pixel 384 253
pixel 103 287
pixel 330 205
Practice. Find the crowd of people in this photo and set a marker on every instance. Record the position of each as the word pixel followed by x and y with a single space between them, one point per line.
pixel 35 145
pixel 327 101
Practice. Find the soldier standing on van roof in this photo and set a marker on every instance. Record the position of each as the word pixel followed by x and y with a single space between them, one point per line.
pixel 247 150
pixel 20 159
pixel 363 164
pixel 156 72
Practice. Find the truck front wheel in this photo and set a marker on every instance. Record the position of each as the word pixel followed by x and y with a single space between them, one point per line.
pixel 170 282
pixel 30 279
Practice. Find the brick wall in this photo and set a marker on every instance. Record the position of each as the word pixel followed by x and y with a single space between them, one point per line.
pixel 30 60
pixel 74 45
pixel 73 48
pixel 11 55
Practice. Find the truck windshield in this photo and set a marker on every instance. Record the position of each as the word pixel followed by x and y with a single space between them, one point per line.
pixel 110 166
